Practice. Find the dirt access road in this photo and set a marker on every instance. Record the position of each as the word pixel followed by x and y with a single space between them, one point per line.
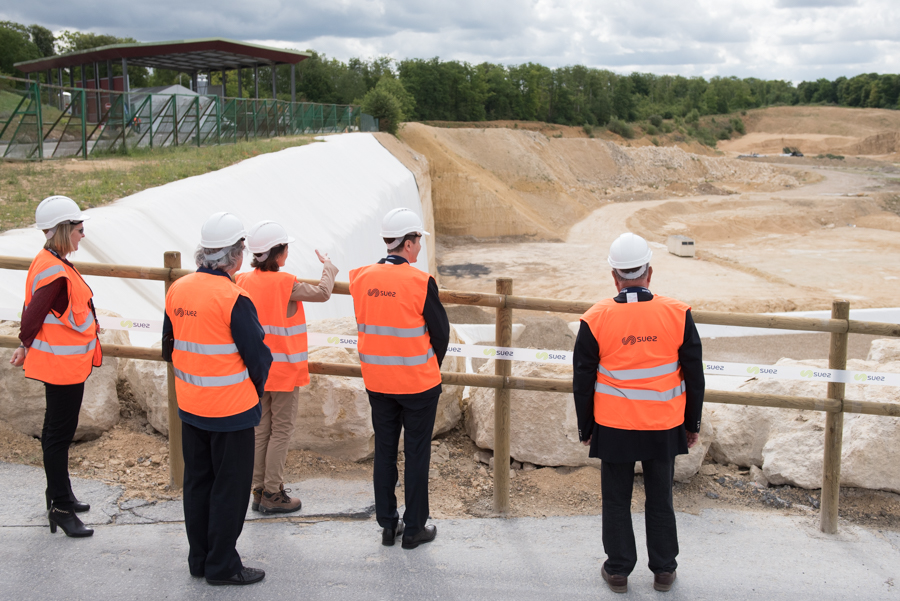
pixel 796 249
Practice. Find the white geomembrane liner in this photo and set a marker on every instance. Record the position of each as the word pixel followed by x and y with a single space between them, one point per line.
pixel 329 195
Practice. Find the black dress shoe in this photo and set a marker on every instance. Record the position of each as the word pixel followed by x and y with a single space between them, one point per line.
pixel 245 576
pixel 425 535
pixel 389 535
pixel 68 521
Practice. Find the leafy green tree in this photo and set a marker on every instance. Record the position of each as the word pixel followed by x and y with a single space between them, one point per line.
pixel 385 107
pixel 15 47
pixel 75 41
pixel 43 39
pixel 393 86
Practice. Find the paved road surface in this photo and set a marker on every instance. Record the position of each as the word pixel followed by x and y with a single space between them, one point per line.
pixel 139 552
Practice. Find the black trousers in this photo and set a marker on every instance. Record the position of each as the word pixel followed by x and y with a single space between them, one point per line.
pixel 218 469
pixel 416 415
pixel 60 422
pixel 617 483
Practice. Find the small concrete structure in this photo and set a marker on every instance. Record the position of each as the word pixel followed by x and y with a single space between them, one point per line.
pixel 681 246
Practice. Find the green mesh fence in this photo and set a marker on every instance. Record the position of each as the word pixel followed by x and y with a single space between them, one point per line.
pixel 40 121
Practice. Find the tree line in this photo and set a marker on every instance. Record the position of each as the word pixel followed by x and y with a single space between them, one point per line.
pixel 439 90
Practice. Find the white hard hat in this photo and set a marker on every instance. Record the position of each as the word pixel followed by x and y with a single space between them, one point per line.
pixel 629 251
pixel 221 230
pixel 399 222
pixel 265 235
pixel 54 210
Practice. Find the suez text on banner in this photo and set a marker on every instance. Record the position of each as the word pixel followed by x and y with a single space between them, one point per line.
pixel 745 370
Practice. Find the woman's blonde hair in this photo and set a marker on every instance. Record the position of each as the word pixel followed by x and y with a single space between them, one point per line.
pixel 61 242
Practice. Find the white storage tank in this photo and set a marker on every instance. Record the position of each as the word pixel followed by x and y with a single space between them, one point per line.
pixel 681 246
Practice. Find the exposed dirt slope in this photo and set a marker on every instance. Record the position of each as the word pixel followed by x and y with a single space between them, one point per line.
pixel 819 130
pixel 490 183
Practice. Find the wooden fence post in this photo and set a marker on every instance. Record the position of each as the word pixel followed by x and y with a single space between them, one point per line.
pixel 834 427
pixel 172 260
pixel 503 368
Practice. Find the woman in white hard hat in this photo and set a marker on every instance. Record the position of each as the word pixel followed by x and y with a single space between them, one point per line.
pixel 59 347
pixel 279 298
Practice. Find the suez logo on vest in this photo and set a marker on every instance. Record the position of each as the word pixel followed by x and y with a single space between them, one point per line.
pixel 634 339
pixel 179 312
pixel 376 293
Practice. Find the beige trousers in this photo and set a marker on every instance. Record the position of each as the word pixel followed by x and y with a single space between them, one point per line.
pixel 279 409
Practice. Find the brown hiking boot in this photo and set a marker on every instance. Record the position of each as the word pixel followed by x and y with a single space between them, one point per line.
pixel 257 497
pixel 616 582
pixel 663 581
pixel 279 502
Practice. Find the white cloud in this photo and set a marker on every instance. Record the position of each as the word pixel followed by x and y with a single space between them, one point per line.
pixel 784 39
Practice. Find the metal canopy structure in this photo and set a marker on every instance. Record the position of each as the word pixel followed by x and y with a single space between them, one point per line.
pixel 188 56
pixel 208 54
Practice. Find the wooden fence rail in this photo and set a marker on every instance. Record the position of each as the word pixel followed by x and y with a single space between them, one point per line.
pixel 839 326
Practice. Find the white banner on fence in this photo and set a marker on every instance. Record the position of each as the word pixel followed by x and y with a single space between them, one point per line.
pixel 477 351
pixel 106 322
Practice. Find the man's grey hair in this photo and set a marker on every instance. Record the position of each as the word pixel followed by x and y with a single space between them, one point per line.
pixel 222 259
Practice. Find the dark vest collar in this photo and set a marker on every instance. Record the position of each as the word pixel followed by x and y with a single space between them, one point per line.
pixel 641 294
pixel 393 260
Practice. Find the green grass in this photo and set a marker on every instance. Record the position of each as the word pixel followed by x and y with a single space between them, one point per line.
pixel 97 182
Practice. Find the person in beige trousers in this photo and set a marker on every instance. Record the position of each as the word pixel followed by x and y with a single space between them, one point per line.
pixel 279 298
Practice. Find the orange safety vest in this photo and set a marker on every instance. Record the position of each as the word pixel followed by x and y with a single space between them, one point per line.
pixel 285 336
pixel 395 351
pixel 67 346
pixel 639 381
pixel 211 379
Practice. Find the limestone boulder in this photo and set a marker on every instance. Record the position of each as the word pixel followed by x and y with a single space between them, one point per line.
pixel 884 350
pixel 788 443
pixel 687 466
pixel 544 427
pixel 22 401
pixel 147 382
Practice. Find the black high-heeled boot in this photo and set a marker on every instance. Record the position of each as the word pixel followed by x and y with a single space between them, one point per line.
pixel 68 521
pixel 77 506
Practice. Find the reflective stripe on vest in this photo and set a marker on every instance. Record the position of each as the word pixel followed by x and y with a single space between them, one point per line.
pixel 636 394
pixel 205 349
pixel 295 358
pixel 292 331
pixel 395 332
pixel 395 360
pixel 211 381
pixel 82 328
pixel 285 336
pixel 46 274
pixel 639 374
pixel 57 349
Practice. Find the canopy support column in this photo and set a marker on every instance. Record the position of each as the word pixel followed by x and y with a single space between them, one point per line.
pixel 293 83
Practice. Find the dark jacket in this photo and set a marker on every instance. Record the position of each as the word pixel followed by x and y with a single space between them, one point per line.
pixel 622 446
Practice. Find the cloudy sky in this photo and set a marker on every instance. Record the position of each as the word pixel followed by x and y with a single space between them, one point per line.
pixel 772 39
